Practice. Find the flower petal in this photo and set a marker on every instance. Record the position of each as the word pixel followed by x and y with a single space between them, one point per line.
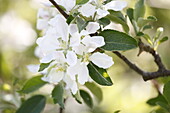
pixel 83 73
pixel 116 5
pixel 102 13
pixel 101 60
pixel 73 28
pixel 92 27
pixel 47 44
pixel 93 42
pixel 54 76
pixel 71 58
pixel 71 84
pixel 87 10
pixel 61 26
pixel 75 39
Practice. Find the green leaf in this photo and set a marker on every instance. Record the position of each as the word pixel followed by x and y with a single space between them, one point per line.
pixel 159 98
pixel 142 22
pixel 118 20
pixel 78 98
pixel 139 10
pixel 33 84
pixel 81 24
pixel 148 39
pixel 96 90
pixel 99 75
pixel 104 22
pixel 130 12
pixel 163 40
pixel 34 104
pixel 166 91
pixel 70 19
pixel 81 2
pixel 118 111
pixel 57 95
pixel 86 98
pixel 145 27
pixel 116 41
pixel 43 66
pixel 164 106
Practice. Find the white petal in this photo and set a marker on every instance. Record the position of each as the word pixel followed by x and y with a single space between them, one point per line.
pixel 102 13
pixel 79 49
pixel 93 42
pixel 47 58
pixel 48 43
pixel 87 10
pixel 71 84
pixel 75 39
pixel 116 5
pixel 101 60
pixel 42 13
pixel 33 68
pixel 71 72
pixel 61 26
pixel 42 24
pixel 73 28
pixel 98 41
pixel 55 76
pixel 92 27
pixel 68 4
pixel 83 73
pixel 71 58
pixel 59 56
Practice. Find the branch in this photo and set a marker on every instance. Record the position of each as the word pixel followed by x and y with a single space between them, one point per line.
pixel 162 71
pixel 59 9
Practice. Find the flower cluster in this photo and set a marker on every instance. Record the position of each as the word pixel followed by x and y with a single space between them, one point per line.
pixel 68 50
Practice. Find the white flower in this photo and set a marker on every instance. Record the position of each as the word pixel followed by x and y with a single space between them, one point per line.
pixel 96 6
pixel 67 4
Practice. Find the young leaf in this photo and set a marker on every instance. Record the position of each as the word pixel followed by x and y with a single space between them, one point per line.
pixel 96 90
pixel 115 19
pixel 166 91
pixel 86 98
pixel 159 98
pixel 118 111
pixel 130 13
pixel 33 84
pixel 78 98
pixel 145 27
pixel 81 2
pixel 34 104
pixel 57 95
pixel 163 40
pixel 43 66
pixel 99 75
pixel 142 22
pixel 117 41
pixel 104 22
pixel 70 19
pixel 139 10
pixel 81 24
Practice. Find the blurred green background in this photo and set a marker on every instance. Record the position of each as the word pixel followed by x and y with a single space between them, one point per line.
pixel 17 42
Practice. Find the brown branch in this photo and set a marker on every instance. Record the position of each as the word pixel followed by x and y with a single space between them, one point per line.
pixel 162 71
pixel 59 9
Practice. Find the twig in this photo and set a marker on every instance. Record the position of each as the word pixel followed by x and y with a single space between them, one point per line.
pixel 146 75
pixel 59 9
